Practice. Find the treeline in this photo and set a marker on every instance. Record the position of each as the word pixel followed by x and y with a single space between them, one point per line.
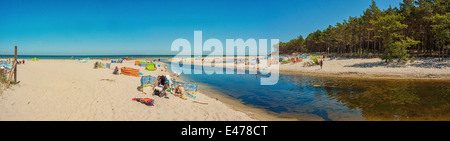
pixel 419 28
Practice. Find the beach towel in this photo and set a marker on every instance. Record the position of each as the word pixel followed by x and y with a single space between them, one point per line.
pixel 6 65
pixel 130 71
pixel 146 101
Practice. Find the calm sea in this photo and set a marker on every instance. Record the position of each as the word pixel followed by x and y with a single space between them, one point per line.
pixel 83 56
pixel 93 56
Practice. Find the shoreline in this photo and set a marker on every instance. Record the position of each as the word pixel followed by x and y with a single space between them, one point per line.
pixel 254 112
pixel 383 71
pixel 356 75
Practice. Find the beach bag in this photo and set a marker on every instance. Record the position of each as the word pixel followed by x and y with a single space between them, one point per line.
pixel 159 91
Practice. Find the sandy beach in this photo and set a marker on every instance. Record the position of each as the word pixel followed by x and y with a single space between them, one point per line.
pixel 67 90
pixel 372 68
pixel 72 91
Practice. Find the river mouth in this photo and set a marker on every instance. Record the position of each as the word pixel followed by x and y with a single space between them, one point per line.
pixel 305 97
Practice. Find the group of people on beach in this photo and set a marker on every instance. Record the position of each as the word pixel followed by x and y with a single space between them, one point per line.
pixel 7 64
pixel 101 65
pixel 315 61
pixel 21 62
pixel 11 61
pixel 162 83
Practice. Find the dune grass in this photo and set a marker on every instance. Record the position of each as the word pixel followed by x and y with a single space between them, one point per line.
pixel 3 81
pixel 3 78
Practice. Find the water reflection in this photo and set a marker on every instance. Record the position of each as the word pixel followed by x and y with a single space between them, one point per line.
pixel 323 98
pixel 395 99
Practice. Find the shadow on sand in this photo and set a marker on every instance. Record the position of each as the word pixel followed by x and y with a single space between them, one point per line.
pixel 432 63
pixel 422 63
pixel 378 64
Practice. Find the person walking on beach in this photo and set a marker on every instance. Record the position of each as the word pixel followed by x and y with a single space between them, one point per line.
pixel 96 65
pixel 321 63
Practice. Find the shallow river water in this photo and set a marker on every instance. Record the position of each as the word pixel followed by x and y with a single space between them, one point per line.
pixel 330 98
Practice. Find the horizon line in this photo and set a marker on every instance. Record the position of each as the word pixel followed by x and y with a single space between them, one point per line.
pixel 85 54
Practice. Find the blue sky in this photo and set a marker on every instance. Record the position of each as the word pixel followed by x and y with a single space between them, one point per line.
pixel 138 27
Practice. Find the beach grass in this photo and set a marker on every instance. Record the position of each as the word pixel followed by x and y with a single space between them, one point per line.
pixel 3 78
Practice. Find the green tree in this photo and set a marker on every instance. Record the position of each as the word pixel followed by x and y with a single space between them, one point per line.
pixel 372 14
pixel 389 27
pixel 393 32
pixel 400 48
pixel 294 45
pixel 423 11
pixel 440 28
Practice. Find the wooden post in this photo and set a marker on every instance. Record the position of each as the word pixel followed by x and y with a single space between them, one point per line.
pixel 13 68
pixel 15 61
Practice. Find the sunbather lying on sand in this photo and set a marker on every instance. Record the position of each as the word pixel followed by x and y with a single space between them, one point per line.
pixel 180 92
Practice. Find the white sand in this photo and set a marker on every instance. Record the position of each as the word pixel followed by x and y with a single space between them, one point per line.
pixel 68 90
pixel 375 66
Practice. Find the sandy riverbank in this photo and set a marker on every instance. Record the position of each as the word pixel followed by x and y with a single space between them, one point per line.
pixel 69 90
pixel 373 68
